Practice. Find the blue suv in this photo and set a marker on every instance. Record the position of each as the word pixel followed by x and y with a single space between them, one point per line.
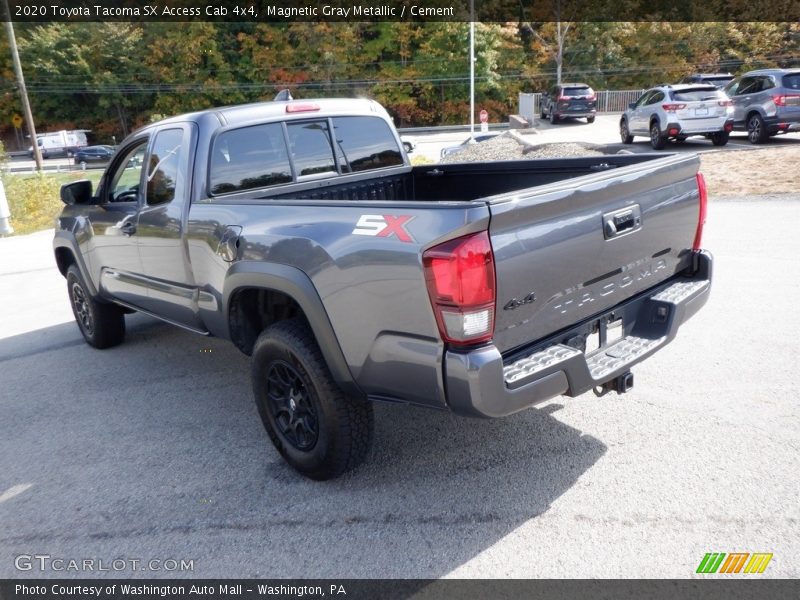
pixel 766 102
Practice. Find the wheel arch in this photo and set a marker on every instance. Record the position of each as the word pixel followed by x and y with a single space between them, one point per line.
pixel 66 252
pixel 753 110
pixel 257 294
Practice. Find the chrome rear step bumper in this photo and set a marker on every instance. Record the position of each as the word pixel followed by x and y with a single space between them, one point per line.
pixel 481 383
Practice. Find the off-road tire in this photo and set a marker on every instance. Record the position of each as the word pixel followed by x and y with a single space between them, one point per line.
pixel 101 324
pixel 344 425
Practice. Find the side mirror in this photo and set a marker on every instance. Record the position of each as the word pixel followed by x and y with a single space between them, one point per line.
pixel 632 105
pixel 77 192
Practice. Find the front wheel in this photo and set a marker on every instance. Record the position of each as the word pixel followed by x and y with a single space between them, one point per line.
pixel 657 139
pixel 624 132
pixel 318 430
pixel 756 130
pixel 720 138
pixel 590 119
pixel 102 325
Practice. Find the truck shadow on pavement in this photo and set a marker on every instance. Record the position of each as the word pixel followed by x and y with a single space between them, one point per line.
pixel 155 449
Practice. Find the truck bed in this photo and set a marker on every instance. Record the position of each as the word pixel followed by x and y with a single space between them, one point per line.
pixel 457 181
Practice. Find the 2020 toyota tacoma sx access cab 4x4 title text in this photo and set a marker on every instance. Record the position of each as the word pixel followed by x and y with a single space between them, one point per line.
pixel 299 231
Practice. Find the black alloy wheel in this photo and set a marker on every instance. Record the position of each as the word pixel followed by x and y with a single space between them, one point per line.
pixel 291 405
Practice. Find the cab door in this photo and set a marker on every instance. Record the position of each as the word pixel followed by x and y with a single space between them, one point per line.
pixel 742 98
pixel 112 247
pixel 171 290
pixel 636 116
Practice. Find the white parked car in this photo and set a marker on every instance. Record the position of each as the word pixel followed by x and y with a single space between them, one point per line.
pixel 676 112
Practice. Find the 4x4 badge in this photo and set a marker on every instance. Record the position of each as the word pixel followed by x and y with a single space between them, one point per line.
pixel 514 303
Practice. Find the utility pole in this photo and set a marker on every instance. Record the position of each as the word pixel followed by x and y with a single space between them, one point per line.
pixel 23 92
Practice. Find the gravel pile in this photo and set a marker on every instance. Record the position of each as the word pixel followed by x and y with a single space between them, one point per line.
pixel 507 147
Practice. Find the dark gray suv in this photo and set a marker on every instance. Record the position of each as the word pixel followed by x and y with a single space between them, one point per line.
pixel 569 100
pixel 766 103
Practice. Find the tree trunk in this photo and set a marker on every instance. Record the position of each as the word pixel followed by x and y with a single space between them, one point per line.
pixel 122 120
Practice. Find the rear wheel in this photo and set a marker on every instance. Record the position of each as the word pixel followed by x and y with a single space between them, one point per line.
pixel 756 130
pixel 317 429
pixel 657 139
pixel 624 132
pixel 102 325
pixel 720 138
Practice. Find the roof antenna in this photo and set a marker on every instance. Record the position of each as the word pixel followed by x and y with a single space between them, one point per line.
pixel 283 96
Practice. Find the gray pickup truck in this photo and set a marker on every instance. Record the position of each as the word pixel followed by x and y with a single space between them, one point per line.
pixel 299 231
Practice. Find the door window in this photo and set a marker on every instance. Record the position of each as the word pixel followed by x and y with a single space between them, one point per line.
pixel 125 180
pixel 643 99
pixel 163 166
pixel 656 97
pixel 748 85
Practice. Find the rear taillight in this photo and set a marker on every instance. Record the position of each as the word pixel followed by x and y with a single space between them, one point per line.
pixel 591 98
pixel 793 99
pixel 725 102
pixel 701 221
pixel 673 107
pixel 460 278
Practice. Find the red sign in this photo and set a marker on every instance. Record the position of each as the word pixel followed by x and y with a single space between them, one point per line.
pixel 484 116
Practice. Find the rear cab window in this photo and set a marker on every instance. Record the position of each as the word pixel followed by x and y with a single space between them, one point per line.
pixel 249 158
pixel 365 143
pixel 272 154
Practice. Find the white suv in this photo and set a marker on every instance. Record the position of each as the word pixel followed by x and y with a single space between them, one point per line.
pixel 675 112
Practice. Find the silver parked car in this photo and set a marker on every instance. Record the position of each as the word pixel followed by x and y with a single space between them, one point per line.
pixel 676 112
pixel 766 103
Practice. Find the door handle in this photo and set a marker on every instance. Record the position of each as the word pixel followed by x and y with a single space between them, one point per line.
pixel 128 228
pixel 228 247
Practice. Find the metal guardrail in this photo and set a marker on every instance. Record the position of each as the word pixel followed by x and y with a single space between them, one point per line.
pixel 54 168
pixel 608 101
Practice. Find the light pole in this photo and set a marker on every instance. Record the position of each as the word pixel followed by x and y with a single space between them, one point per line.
pixel 471 69
pixel 23 92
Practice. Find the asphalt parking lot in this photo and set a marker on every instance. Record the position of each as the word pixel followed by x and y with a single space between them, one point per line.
pixel 154 450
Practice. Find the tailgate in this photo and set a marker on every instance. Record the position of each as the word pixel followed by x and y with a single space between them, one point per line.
pixel 567 251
